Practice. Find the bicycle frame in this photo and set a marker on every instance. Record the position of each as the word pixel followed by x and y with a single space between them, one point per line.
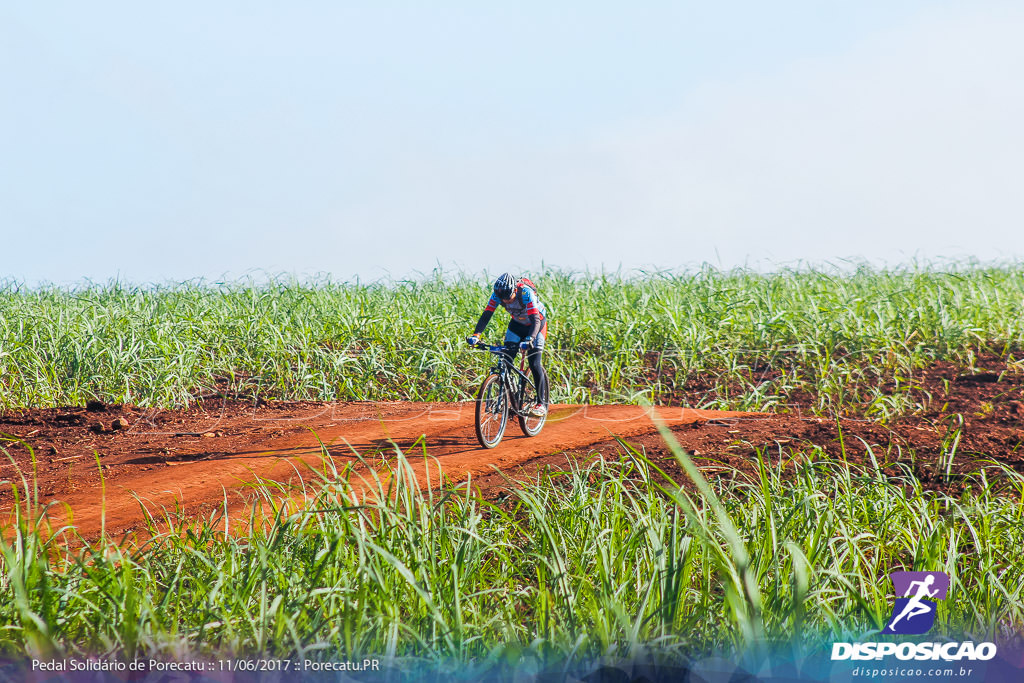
pixel 501 395
pixel 506 370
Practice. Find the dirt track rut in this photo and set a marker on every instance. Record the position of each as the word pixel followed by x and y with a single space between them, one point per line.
pixel 197 460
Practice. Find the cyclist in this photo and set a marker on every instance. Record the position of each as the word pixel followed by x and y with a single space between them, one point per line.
pixel 526 330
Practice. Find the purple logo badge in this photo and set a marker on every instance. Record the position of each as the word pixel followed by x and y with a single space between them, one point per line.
pixel 914 611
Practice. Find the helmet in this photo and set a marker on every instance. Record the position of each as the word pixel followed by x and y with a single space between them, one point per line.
pixel 504 286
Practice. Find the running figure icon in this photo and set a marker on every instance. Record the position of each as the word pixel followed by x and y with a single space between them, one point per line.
pixel 913 612
pixel 915 605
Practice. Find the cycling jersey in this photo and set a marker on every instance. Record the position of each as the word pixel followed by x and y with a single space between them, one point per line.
pixel 524 304
pixel 529 319
pixel 525 308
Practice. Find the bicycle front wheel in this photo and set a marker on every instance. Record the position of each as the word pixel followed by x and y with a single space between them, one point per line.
pixel 491 412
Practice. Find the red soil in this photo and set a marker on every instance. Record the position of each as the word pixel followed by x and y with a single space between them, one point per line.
pixel 198 458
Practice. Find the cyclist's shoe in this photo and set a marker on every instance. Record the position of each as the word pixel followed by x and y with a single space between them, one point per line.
pixel 473 339
pixel 539 410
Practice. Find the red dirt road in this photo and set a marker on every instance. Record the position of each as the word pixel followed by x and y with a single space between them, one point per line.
pixel 195 458
pixel 198 458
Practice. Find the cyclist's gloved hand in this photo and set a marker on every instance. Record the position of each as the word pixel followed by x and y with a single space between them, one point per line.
pixel 473 339
pixel 526 344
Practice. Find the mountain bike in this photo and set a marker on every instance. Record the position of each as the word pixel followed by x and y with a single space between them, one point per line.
pixel 506 390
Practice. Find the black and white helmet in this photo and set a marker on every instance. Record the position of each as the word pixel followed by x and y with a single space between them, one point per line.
pixel 504 286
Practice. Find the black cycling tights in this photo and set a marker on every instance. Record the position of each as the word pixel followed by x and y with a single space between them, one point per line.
pixel 540 378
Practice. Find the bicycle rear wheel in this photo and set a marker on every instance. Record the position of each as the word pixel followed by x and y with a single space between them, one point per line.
pixel 491 412
pixel 529 423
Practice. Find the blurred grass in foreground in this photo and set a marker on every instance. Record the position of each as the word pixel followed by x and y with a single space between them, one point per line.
pixel 610 559
pixel 751 339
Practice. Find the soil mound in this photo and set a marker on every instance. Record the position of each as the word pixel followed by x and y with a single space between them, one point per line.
pixel 105 462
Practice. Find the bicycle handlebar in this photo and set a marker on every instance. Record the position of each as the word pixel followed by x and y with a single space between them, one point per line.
pixel 487 347
pixel 499 351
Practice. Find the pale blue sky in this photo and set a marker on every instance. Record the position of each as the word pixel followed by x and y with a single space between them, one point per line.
pixel 156 142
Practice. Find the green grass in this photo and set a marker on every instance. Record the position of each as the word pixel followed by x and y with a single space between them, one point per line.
pixel 755 339
pixel 604 560
pixel 609 559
